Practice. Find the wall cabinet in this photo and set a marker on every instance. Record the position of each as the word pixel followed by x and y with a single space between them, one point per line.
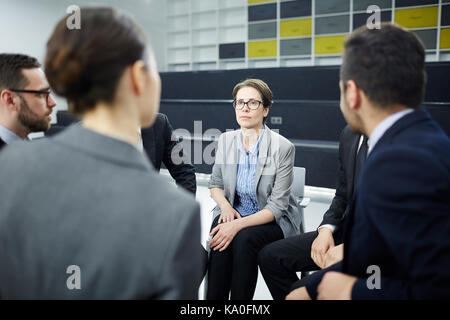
pixel 229 34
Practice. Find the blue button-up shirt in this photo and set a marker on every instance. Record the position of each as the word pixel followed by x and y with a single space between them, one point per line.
pixel 245 201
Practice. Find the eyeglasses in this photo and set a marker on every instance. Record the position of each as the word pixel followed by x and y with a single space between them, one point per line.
pixel 252 104
pixel 41 93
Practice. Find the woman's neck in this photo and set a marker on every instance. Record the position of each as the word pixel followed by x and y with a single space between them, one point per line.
pixel 113 121
pixel 250 137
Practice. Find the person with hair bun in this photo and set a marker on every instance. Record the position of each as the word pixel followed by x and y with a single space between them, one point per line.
pixel 84 215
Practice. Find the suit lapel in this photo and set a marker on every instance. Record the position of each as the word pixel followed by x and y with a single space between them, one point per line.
pixel 262 155
pixel 400 125
pixel 233 159
pixel 149 142
pixel 351 165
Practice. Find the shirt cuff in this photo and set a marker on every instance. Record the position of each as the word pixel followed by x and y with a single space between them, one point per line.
pixel 329 226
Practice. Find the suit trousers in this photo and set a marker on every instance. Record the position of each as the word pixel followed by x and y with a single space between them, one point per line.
pixel 236 268
pixel 281 260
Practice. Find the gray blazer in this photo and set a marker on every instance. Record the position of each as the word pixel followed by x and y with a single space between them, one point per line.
pixel 92 201
pixel 274 176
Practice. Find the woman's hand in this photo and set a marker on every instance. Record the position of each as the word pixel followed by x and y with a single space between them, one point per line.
pixel 223 234
pixel 228 214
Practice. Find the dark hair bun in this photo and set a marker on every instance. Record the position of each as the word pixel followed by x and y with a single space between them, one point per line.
pixel 85 65
pixel 65 74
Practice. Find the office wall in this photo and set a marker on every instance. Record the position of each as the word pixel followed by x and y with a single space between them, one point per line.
pixel 305 110
pixel 234 34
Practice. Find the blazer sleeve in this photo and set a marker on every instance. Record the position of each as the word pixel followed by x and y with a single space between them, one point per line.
pixel 278 200
pixel 183 173
pixel 339 203
pixel 410 212
pixel 216 179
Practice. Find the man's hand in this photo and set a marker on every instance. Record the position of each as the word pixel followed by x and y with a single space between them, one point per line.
pixel 334 255
pixel 336 286
pixel 320 246
pixel 224 234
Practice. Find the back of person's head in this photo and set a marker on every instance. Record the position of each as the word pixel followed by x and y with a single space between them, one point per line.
pixel 85 65
pixel 387 64
pixel 11 66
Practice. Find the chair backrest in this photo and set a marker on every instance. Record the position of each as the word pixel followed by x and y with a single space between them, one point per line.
pixel 298 192
pixel 298 186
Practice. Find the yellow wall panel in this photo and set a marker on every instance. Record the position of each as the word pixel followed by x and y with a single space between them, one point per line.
pixel 295 28
pixel 261 49
pixel 258 1
pixel 417 17
pixel 329 44
pixel 445 39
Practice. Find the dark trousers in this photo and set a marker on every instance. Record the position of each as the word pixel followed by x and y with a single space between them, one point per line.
pixel 312 282
pixel 280 260
pixel 236 268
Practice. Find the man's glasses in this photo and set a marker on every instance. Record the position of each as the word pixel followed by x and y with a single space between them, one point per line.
pixel 252 104
pixel 42 93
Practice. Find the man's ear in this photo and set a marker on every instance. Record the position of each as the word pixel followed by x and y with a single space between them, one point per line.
pixel 352 95
pixel 7 99
pixel 138 77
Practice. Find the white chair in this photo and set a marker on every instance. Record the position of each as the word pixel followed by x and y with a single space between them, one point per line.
pixel 298 192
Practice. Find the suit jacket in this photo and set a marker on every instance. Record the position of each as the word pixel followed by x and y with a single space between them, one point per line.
pixel 84 199
pixel 400 220
pixel 348 148
pixel 273 179
pixel 2 143
pixel 158 144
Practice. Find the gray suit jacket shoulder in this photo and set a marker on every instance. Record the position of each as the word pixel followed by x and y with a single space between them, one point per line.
pixel 88 200
pixel 273 180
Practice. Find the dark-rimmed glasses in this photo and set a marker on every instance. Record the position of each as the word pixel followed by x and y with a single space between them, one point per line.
pixel 252 104
pixel 42 93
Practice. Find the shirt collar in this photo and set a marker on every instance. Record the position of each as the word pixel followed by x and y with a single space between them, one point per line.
pixel 383 126
pixel 255 148
pixel 8 136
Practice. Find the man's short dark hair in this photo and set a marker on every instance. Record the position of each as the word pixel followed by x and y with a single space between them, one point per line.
pixel 388 64
pixel 11 66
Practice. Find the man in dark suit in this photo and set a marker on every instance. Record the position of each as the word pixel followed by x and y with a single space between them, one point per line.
pixel 280 260
pixel 158 144
pixel 25 99
pixel 396 235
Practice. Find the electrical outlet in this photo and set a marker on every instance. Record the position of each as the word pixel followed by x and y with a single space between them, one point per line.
pixel 276 120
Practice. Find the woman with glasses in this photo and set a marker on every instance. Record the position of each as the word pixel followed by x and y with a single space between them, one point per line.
pixel 250 182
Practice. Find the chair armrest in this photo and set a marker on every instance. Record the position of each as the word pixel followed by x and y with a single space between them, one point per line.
pixel 303 202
